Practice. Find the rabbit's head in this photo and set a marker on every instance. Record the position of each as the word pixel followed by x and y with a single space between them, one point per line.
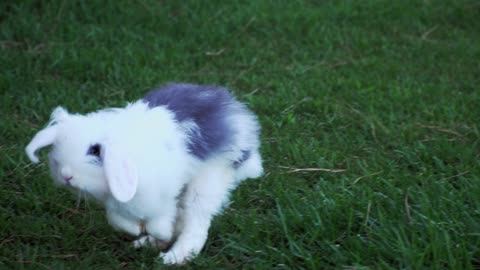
pixel 85 157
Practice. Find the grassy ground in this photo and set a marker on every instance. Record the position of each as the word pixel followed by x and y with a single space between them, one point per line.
pixel 387 90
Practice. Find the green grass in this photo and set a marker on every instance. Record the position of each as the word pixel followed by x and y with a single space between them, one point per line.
pixel 388 90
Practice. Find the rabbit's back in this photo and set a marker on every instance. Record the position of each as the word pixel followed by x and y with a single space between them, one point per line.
pixel 215 122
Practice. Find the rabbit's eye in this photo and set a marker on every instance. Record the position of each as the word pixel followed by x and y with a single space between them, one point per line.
pixel 94 150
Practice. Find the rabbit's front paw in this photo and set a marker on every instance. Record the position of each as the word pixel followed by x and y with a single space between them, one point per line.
pixel 177 256
pixel 150 241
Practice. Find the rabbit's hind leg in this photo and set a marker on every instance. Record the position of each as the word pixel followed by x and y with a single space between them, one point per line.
pixel 204 197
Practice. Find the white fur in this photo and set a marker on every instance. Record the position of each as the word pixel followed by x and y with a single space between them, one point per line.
pixel 151 146
pixel 204 198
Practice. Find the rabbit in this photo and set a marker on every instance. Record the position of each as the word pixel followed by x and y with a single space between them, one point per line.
pixel 162 167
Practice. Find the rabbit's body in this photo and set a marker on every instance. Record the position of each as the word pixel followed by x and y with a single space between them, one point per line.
pixel 182 145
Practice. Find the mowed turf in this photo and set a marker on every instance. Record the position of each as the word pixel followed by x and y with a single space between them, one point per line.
pixel 388 91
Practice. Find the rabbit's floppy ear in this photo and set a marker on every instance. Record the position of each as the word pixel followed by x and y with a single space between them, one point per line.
pixel 59 114
pixel 43 138
pixel 121 172
pixel 47 135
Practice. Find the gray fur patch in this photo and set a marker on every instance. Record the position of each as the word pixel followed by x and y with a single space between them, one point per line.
pixel 208 107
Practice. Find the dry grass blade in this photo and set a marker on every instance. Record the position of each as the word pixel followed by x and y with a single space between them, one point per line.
pixel 63 256
pixel 215 53
pixel 427 33
pixel 453 176
pixel 365 176
pixel 294 170
pixel 407 209
pixel 367 216
pixel 441 129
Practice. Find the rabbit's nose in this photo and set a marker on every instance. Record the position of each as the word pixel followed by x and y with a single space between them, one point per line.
pixel 67 180
pixel 66 174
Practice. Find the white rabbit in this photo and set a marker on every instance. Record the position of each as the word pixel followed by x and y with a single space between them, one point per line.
pixel 163 165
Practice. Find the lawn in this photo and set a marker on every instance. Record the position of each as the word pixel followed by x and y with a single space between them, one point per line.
pixel 381 98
